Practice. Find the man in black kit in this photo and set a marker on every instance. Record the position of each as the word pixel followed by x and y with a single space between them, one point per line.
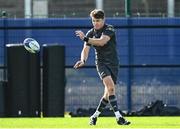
pixel 102 38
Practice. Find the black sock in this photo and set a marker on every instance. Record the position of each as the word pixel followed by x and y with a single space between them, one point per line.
pixel 102 104
pixel 113 102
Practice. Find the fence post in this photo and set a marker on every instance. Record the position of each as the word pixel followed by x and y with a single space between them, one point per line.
pixel 127 8
pixel 130 54
pixel 4 16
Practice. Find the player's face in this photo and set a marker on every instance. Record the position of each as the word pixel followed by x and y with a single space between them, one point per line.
pixel 97 23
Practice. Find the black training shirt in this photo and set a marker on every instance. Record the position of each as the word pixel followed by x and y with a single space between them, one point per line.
pixel 106 54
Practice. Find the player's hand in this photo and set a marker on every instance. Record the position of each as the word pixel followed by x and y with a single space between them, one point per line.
pixel 80 34
pixel 79 64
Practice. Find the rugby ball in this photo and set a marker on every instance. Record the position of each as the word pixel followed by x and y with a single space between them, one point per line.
pixel 31 45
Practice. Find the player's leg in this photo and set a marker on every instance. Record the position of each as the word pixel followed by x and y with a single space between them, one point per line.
pixel 102 104
pixel 109 83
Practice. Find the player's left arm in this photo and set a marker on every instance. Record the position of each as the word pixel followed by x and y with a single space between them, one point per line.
pixel 94 41
pixel 99 41
pixel 105 37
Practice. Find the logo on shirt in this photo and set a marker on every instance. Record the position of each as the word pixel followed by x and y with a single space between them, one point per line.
pixel 110 28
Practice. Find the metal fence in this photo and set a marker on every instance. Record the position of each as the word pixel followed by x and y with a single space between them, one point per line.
pixel 79 8
pixel 148 51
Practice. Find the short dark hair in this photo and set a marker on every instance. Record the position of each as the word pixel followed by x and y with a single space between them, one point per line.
pixel 97 13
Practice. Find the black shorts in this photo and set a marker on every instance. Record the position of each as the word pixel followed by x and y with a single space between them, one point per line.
pixel 106 70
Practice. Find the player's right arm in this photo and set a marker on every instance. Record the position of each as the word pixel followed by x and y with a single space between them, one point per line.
pixel 84 57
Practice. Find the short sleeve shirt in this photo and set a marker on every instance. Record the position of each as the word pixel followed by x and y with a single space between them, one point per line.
pixel 106 54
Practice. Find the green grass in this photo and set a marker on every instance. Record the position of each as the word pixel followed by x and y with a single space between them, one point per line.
pixel 82 122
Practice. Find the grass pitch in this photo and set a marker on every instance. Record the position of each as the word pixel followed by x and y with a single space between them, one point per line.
pixel 82 123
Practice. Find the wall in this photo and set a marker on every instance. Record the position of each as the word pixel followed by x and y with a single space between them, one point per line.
pixel 149 45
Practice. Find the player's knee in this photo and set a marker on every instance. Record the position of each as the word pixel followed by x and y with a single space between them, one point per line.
pixel 106 95
pixel 110 89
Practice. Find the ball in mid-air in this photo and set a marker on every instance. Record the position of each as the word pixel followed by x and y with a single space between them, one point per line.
pixel 31 45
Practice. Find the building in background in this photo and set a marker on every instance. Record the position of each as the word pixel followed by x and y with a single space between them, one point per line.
pixel 81 8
